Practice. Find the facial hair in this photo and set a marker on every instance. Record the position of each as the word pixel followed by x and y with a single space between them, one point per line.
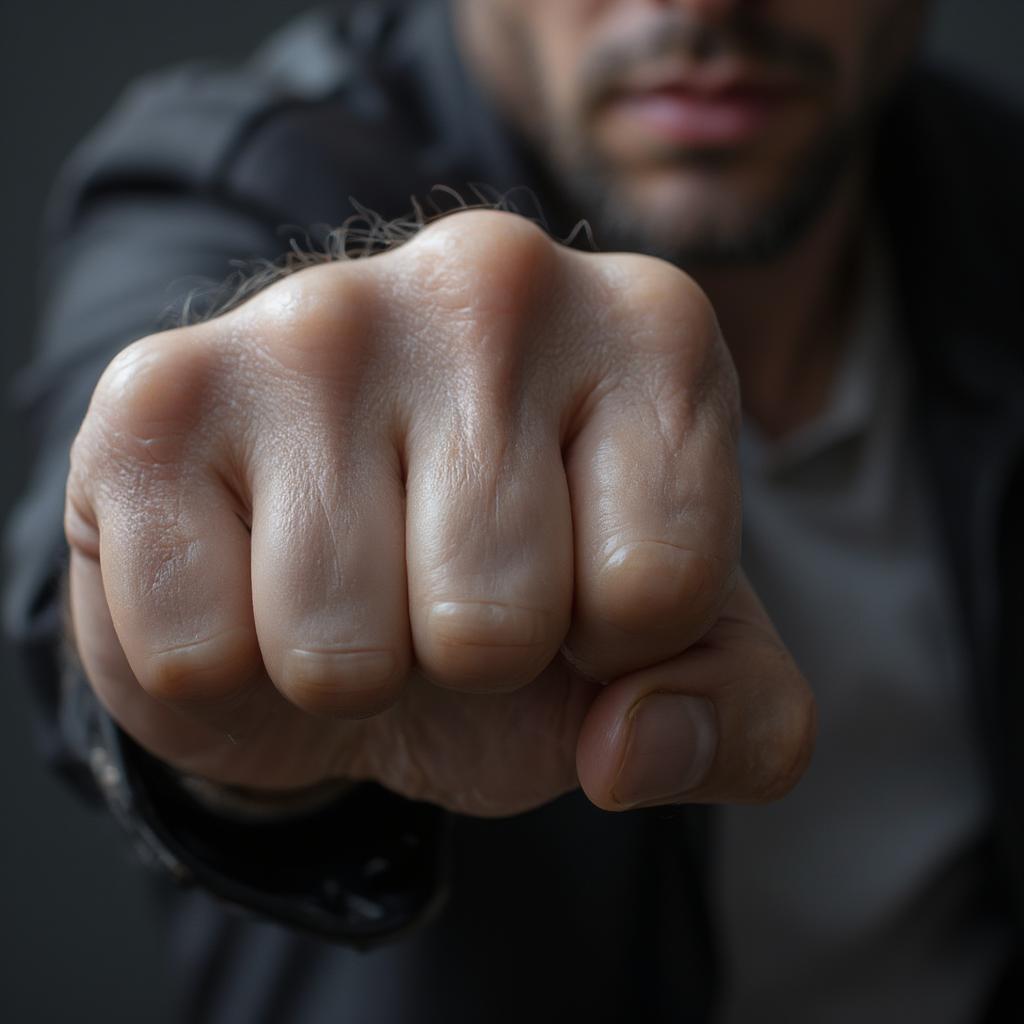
pixel 723 233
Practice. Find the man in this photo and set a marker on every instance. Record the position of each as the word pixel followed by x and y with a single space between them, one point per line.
pixel 374 569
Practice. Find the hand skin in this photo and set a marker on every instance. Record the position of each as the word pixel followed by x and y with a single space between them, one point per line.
pixel 441 519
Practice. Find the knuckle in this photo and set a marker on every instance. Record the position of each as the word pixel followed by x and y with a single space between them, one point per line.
pixel 350 683
pixel 653 585
pixel 202 671
pixel 663 299
pixel 149 398
pixel 82 474
pixel 496 232
pixel 486 644
pixel 312 323
pixel 487 624
pixel 664 316
pixel 668 312
pixel 80 526
pixel 483 262
pixel 156 380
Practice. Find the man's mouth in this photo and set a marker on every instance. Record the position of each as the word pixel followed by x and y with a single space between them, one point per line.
pixel 701 110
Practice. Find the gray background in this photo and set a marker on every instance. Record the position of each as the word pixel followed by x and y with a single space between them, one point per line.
pixel 77 939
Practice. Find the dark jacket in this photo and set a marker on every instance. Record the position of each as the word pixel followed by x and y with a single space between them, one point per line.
pixel 567 912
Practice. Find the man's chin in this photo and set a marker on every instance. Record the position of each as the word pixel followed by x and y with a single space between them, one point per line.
pixel 714 211
pixel 688 223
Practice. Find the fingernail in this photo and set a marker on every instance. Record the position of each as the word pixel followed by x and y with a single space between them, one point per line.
pixel 669 750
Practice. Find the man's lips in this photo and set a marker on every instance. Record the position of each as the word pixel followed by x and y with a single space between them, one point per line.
pixel 699 113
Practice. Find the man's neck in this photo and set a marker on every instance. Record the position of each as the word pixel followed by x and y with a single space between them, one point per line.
pixel 785 321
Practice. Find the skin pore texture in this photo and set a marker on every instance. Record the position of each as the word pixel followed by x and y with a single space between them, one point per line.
pixel 728 136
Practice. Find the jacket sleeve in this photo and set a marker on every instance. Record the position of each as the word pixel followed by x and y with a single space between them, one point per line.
pixel 124 251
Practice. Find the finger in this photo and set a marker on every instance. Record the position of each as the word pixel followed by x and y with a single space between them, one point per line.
pixel 182 734
pixel 225 741
pixel 174 558
pixel 100 652
pixel 328 571
pixel 654 488
pixel 489 548
pixel 143 499
pixel 730 720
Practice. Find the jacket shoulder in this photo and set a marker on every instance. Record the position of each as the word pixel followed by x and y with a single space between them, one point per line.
pixel 178 129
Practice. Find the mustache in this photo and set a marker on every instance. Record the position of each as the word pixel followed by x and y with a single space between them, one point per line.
pixel 744 35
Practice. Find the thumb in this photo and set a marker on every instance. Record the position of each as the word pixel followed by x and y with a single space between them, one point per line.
pixel 731 720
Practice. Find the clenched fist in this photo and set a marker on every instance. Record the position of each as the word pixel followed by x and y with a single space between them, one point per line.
pixel 462 519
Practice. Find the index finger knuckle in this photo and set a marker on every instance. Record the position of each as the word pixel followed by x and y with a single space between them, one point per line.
pixel 151 394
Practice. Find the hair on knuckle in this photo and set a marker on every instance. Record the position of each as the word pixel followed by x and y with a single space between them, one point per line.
pixel 365 233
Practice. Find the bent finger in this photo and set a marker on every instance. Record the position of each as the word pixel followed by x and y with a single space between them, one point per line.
pixel 175 567
pixel 328 573
pixel 490 555
pixel 656 504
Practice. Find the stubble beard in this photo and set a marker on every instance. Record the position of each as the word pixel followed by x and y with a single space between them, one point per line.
pixel 712 227
pixel 711 222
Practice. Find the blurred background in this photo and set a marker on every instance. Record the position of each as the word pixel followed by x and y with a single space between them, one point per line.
pixel 77 940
